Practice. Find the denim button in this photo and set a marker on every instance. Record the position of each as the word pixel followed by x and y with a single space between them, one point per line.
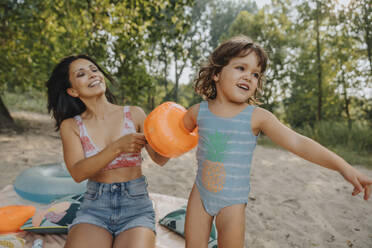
pixel 114 186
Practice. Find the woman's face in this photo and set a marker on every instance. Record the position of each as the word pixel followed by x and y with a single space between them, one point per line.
pixel 86 79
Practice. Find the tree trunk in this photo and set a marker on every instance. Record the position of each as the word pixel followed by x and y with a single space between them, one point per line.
pixel 179 70
pixel 347 101
pixel 177 81
pixel 367 26
pixel 319 61
pixel 165 71
pixel 5 117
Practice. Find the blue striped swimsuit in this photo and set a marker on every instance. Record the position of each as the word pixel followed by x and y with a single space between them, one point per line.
pixel 224 158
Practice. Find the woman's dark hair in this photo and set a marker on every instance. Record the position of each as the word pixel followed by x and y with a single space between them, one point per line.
pixel 61 104
pixel 238 46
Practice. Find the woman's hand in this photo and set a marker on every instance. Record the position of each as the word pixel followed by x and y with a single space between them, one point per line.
pixel 132 143
pixel 360 181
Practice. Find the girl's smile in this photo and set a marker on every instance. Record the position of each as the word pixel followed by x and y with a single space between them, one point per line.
pixel 238 80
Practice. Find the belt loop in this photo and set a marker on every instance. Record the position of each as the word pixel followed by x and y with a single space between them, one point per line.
pixel 122 185
pixel 100 189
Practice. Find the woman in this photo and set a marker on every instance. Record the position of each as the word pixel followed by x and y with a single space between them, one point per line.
pixel 102 142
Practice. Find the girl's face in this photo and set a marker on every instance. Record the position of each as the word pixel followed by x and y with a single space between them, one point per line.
pixel 86 79
pixel 238 80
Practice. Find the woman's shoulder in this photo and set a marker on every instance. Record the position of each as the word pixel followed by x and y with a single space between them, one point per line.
pixel 69 124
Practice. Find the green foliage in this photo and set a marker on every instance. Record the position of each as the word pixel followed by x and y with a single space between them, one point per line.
pixel 320 54
pixel 118 34
pixel 223 14
pixel 187 96
pixel 180 45
pixel 340 137
pixel 271 31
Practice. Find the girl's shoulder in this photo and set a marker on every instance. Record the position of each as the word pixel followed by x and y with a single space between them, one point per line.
pixel 261 114
pixel 137 114
pixel 261 118
pixel 193 110
pixel 195 107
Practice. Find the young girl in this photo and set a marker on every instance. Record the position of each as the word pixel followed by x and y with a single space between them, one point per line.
pixel 229 123
pixel 102 142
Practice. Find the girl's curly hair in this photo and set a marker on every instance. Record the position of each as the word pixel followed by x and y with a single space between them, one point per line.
pixel 238 46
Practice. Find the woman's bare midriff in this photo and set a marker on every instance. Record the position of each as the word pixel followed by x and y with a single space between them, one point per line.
pixel 118 175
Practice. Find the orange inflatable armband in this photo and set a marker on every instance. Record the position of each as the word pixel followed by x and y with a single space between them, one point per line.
pixel 14 216
pixel 165 131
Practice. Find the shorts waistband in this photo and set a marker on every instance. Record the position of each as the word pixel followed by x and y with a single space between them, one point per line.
pixel 112 187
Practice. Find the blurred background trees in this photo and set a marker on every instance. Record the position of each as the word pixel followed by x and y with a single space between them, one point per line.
pixel 320 54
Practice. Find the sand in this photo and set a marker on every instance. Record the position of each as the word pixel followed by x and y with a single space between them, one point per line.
pixel 293 203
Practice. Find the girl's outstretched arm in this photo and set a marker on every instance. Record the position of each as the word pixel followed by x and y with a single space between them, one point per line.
pixel 264 121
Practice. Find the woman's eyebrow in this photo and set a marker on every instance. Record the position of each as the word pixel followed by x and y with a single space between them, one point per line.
pixel 80 69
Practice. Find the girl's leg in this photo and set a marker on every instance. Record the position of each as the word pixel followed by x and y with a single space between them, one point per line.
pixel 230 224
pixel 138 237
pixel 198 222
pixel 88 236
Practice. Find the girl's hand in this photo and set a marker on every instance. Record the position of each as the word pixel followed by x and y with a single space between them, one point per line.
pixel 360 181
pixel 132 143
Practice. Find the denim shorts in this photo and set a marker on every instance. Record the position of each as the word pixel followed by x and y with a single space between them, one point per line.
pixel 117 207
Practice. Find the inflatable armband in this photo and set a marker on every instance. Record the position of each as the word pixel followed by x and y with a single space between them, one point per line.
pixel 14 216
pixel 165 131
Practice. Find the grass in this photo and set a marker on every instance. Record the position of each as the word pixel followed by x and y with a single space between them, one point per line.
pixel 34 101
pixel 355 145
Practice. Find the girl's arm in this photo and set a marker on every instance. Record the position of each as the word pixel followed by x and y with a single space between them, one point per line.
pixel 189 119
pixel 139 117
pixel 265 121
pixel 82 168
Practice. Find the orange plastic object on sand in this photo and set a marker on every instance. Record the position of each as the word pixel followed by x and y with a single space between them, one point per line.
pixel 14 216
pixel 165 131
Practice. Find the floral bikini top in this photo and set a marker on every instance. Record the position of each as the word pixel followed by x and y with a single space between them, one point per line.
pixel 124 159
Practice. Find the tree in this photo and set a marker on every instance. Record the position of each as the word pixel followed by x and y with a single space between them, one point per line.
pixel 183 43
pixel 345 60
pixel 36 34
pixel 222 15
pixel 359 16
pixel 272 30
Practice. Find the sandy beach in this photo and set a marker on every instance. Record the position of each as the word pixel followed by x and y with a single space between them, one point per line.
pixel 293 203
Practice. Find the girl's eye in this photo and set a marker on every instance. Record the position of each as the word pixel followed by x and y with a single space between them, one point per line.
pixel 256 75
pixel 94 69
pixel 240 68
pixel 80 74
